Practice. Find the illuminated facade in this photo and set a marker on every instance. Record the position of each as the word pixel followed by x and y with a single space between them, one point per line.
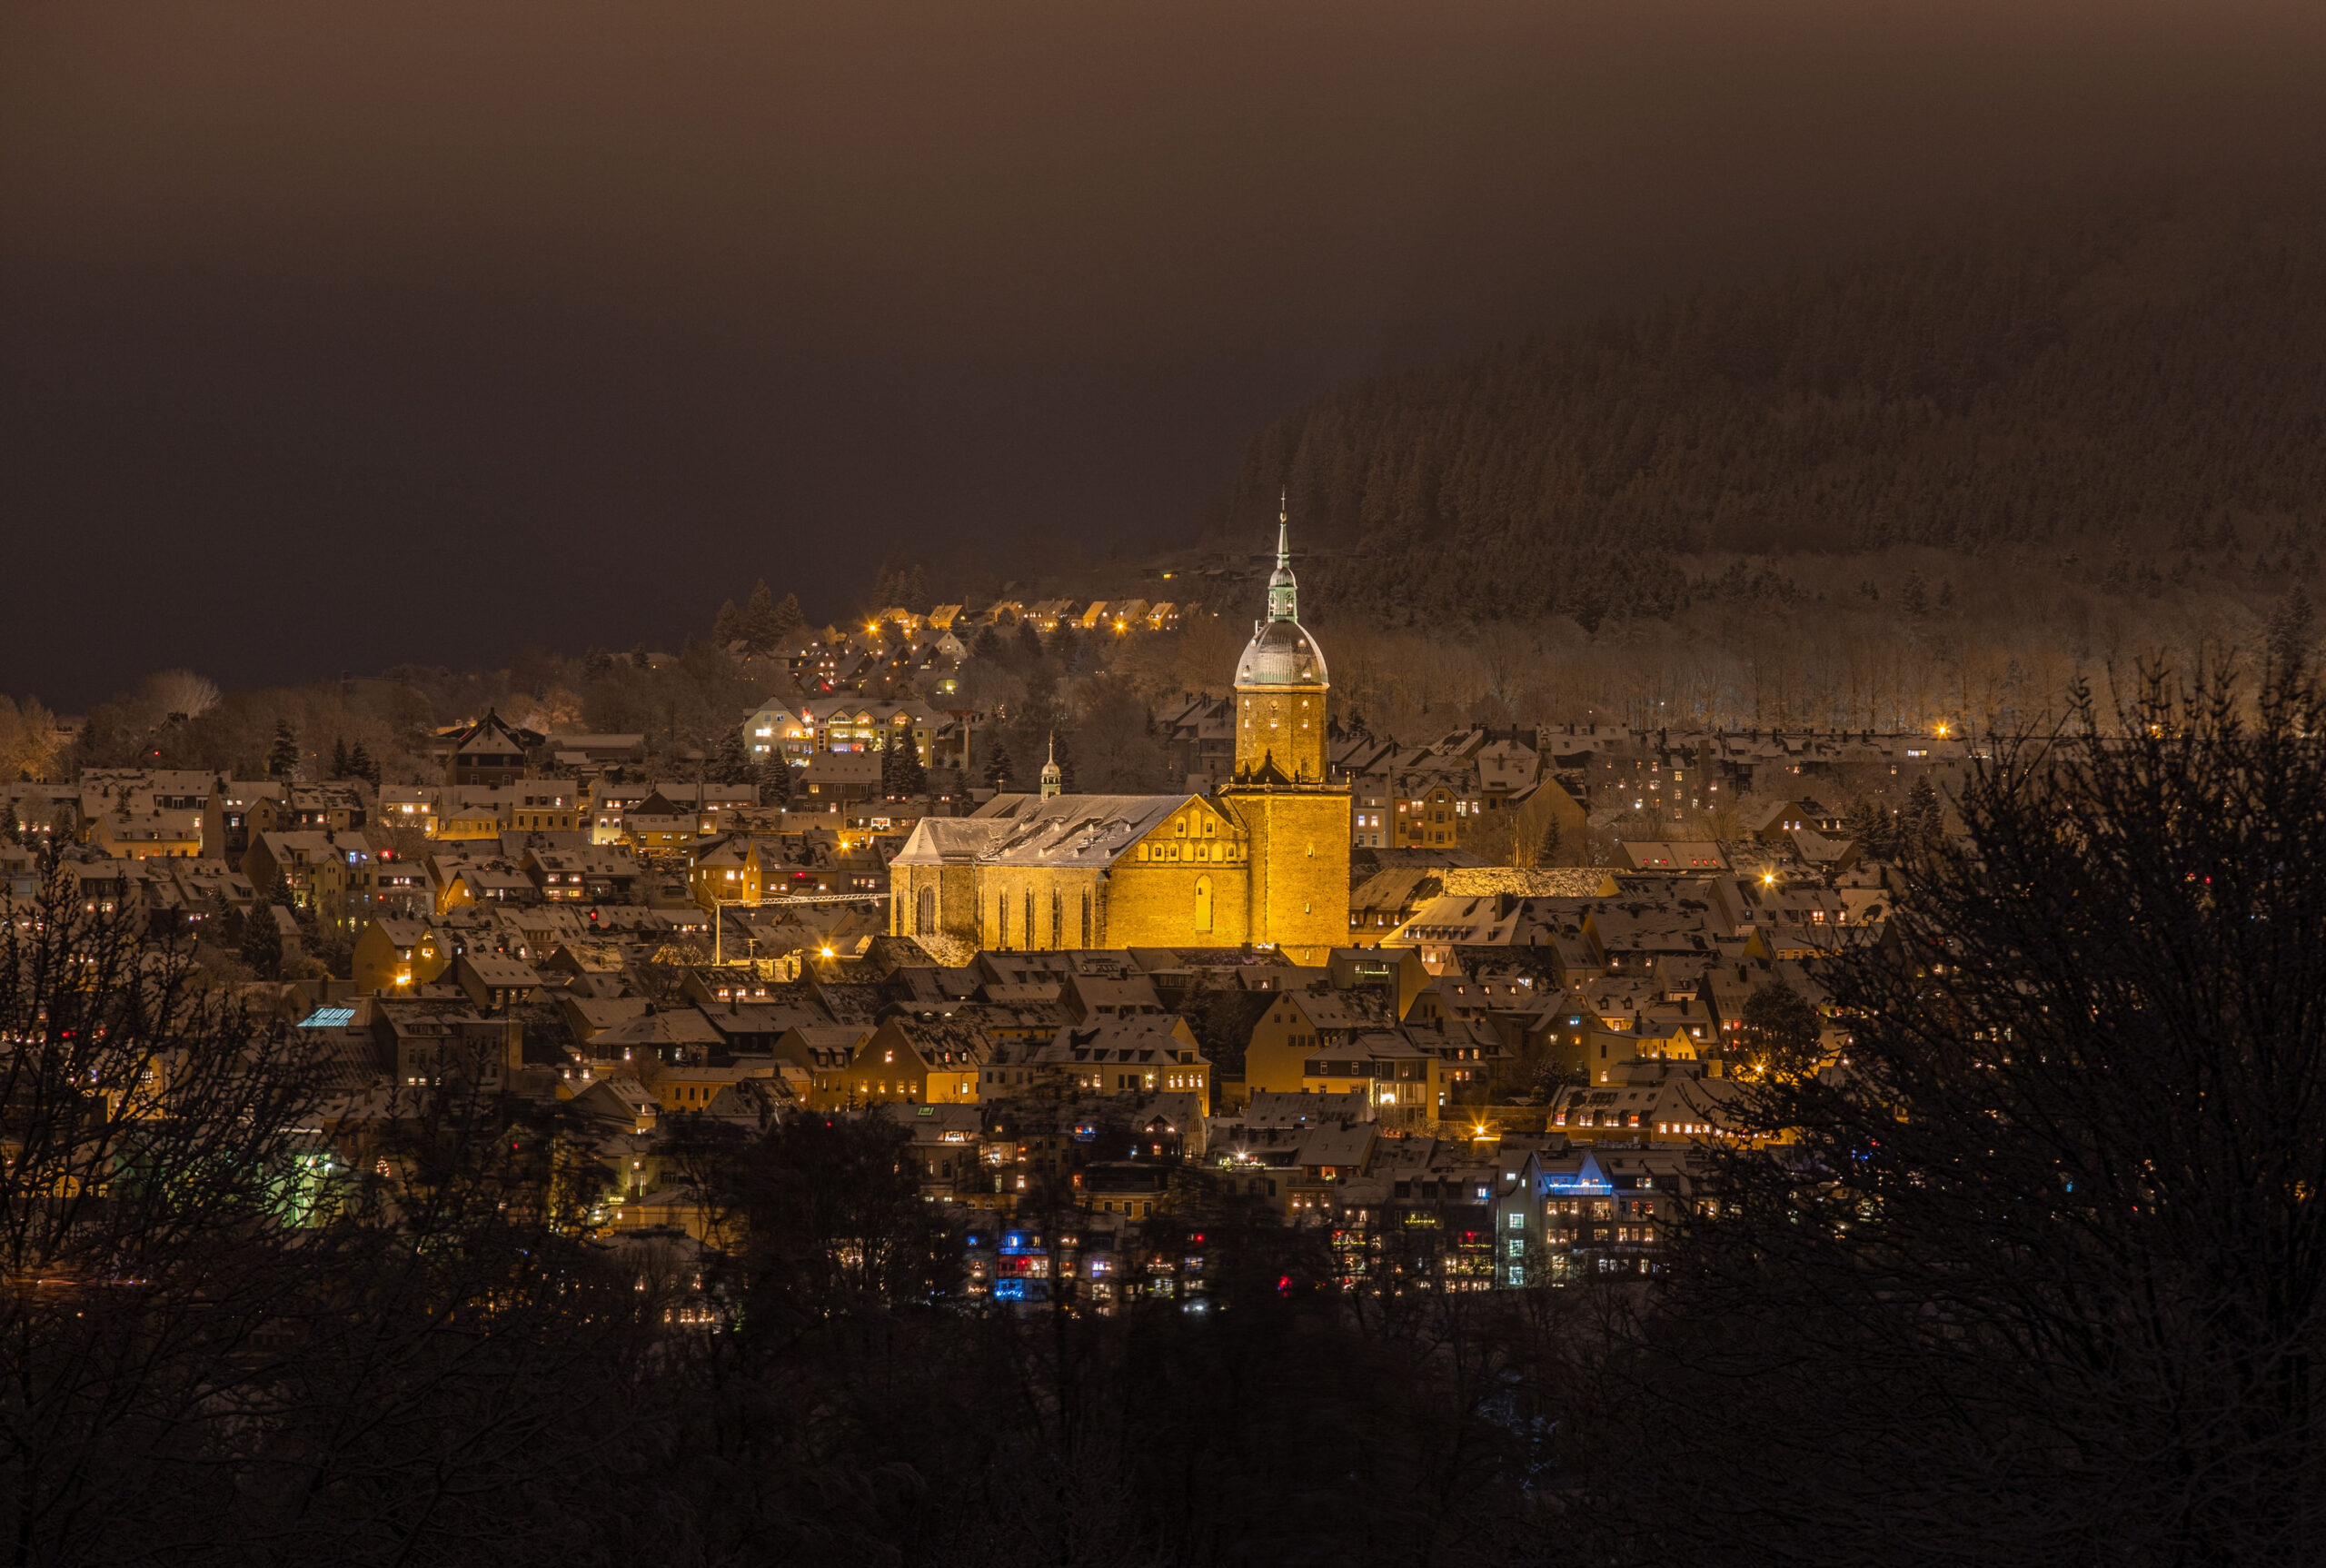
pixel 1263 861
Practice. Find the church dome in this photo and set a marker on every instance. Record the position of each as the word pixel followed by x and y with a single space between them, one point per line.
pixel 1281 653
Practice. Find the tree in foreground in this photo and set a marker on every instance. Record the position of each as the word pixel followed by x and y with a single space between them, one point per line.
pixel 226 1341
pixel 2040 1278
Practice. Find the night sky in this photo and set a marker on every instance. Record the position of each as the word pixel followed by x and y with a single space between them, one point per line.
pixel 333 336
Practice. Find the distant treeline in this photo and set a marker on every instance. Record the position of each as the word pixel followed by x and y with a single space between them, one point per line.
pixel 2151 380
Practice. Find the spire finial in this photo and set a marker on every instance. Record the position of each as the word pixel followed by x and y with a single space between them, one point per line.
pixel 1283 599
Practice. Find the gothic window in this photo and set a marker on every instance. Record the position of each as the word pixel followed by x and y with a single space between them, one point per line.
pixel 1030 937
pixel 1203 903
pixel 1085 918
pixel 926 916
pixel 1058 918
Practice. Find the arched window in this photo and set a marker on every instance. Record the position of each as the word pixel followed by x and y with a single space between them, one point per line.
pixel 1086 916
pixel 1058 918
pixel 926 916
pixel 1001 920
pixel 1031 935
pixel 1203 903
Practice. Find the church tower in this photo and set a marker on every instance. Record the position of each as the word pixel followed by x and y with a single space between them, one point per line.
pixel 1280 685
pixel 1298 822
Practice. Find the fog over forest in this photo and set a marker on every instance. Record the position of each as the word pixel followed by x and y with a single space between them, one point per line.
pixel 1938 481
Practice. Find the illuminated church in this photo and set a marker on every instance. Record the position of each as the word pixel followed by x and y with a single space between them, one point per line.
pixel 1262 861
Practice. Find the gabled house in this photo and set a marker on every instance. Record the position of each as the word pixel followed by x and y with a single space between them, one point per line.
pixel 489 751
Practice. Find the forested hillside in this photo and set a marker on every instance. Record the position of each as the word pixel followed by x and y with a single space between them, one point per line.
pixel 2141 394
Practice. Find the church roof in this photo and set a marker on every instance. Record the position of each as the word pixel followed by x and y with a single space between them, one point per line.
pixel 1281 653
pixel 1063 831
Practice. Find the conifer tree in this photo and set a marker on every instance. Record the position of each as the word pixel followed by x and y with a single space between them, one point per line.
pixel 791 624
pixel 902 776
pixel 262 943
pixel 998 774
pixel 775 782
pixel 1922 824
pixel 338 762
pixel 900 588
pixel 282 756
pixel 731 764
pixel 1875 829
pixel 361 766
pixel 727 626
pixel 2289 635
pixel 761 625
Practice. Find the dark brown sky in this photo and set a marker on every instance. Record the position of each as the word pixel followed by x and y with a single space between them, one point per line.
pixel 336 335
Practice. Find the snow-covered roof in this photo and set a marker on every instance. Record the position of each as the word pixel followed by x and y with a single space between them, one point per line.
pixel 1064 831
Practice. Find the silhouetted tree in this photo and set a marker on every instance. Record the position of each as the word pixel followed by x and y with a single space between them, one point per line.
pixel 775 780
pixel 731 764
pixel 262 941
pixel 1781 1030
pixel 2041 1259
pixel 282 755
pixel 900 588
pixel 761 623
pixel 2289 634
pixel 1874 827
pixel 1922 823
pixel 901 773
pixel 791 624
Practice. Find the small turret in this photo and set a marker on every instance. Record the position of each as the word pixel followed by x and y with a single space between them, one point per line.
pixel 1053 776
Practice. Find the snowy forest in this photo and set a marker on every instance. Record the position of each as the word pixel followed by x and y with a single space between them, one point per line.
pixel 1941 477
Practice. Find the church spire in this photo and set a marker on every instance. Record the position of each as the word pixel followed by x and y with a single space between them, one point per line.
pixel 1284 592
pixel 1053 776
